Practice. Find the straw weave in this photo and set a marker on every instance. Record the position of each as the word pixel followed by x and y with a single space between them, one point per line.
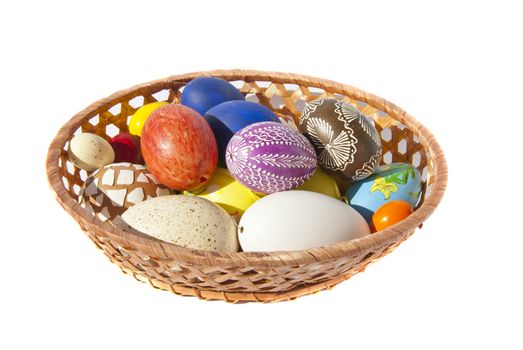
pixel 247 276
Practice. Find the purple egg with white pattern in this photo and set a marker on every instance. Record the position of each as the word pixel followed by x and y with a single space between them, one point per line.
pixel 270 157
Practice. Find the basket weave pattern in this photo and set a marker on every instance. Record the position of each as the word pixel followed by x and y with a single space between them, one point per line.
pixel 248 276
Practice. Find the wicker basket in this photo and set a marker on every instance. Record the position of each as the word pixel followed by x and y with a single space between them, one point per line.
pixel 248 276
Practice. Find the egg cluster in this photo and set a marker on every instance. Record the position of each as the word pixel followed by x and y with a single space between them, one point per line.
pixel 217 172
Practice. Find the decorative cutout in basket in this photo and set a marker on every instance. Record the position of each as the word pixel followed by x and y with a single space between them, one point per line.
pixel 248 276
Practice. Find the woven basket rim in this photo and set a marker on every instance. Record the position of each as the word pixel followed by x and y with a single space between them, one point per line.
pixel 262 259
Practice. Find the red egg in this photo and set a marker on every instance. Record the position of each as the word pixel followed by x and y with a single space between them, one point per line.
pixel 179 147
pixel 126 148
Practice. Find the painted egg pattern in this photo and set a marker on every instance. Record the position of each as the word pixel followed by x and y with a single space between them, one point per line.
pixel 396 181
pixel 269 157
pixel 109 191
pixel 347 143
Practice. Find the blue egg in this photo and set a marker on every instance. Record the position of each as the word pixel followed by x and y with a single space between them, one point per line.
pixel 397 181
pixel 232 116
pixel 201 94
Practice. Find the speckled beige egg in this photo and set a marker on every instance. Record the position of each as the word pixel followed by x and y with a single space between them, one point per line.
pixel 191 222
pixel 90 152
pixel 109 191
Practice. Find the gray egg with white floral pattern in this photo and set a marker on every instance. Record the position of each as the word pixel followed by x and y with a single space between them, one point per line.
pixel 346 142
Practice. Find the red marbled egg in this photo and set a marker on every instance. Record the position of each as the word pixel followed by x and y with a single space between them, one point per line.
pixel 179 147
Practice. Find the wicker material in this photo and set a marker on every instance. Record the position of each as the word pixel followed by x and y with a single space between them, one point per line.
pixel 248 276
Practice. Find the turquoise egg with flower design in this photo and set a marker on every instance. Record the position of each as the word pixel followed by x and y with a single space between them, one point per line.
pixel 396 181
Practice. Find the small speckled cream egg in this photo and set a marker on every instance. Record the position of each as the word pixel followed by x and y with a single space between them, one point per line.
pixel 90 152
pixel 191 222
pixel 109 191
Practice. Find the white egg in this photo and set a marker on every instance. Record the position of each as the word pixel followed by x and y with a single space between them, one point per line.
pixel 296 220
pixel 90 152
pixel 191 222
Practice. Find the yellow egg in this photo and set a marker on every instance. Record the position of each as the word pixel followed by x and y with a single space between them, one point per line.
pixel 322 183
pixel 228 193
pixel 141 115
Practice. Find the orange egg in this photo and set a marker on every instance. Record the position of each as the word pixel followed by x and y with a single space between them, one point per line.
pixel 389 214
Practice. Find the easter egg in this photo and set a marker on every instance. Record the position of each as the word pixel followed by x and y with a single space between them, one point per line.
pixel 322 183
pixel 191 222
pixel 90 152
pixel 295 220
pixel 140 116
pixel 228 193
pixel 179 147
pixel 109 191
pixel 347 143
pixel 270 157
pixel 229 117
pixel 201 94
pixel 397 181
pixel 390 213
pixel 126 148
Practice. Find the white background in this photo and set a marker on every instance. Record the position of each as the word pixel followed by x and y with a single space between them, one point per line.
pixel 455 66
